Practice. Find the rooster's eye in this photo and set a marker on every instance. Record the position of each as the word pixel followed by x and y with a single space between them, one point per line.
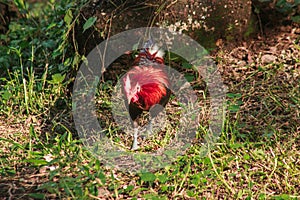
pixel 138 88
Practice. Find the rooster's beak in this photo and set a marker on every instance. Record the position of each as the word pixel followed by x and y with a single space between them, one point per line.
pixel 129 99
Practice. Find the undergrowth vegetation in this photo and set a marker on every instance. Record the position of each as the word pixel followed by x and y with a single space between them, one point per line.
pixel 41 157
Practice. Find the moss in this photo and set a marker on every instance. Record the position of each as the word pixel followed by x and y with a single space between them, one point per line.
pixel 251 28
pixel 207 40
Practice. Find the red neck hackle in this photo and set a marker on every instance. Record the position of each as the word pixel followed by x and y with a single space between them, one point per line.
pixel 145 86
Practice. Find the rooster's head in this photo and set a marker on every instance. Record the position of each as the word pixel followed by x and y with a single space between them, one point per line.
pixel 131 90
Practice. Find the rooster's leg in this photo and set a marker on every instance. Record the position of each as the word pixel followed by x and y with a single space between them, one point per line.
pixel 154 112
pixel 149 130
pixel 135 145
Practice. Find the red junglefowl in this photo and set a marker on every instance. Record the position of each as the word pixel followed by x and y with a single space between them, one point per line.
pixel 145 86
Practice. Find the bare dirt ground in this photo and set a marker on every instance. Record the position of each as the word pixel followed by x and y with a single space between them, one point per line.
pixel 266 71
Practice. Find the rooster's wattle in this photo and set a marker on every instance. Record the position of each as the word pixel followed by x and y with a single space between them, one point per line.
pixel 146 85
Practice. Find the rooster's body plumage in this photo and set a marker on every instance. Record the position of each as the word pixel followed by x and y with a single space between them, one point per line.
pixel 146 85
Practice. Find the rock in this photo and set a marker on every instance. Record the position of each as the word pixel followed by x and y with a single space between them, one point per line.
pixel 267 58
pixel 204 21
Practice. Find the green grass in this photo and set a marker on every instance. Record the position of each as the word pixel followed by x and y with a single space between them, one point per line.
pixel 41 156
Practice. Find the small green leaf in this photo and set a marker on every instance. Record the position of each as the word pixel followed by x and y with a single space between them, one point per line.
pixel 164 188
pixel 207 161
pixel 190 193
pixel 189 77
pixel 6 95
pixel 58 78
pixel 148 177
pixel 296 19
pixel 162 178
pixel 236 145
pixel 11 172
pixel 246 157
pixel 37 195
pixel 234 108
pixel 102 177
pixel 204 180
pixel 68 17
pixel 137 191
pixel 129 188
pixel 90 22
pixel 187 65
pixel 37 162
pixel 233 95
pixel 239 102
pixel 51 25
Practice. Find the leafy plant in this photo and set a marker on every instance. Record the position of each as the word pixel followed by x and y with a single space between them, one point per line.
pixel 37 56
